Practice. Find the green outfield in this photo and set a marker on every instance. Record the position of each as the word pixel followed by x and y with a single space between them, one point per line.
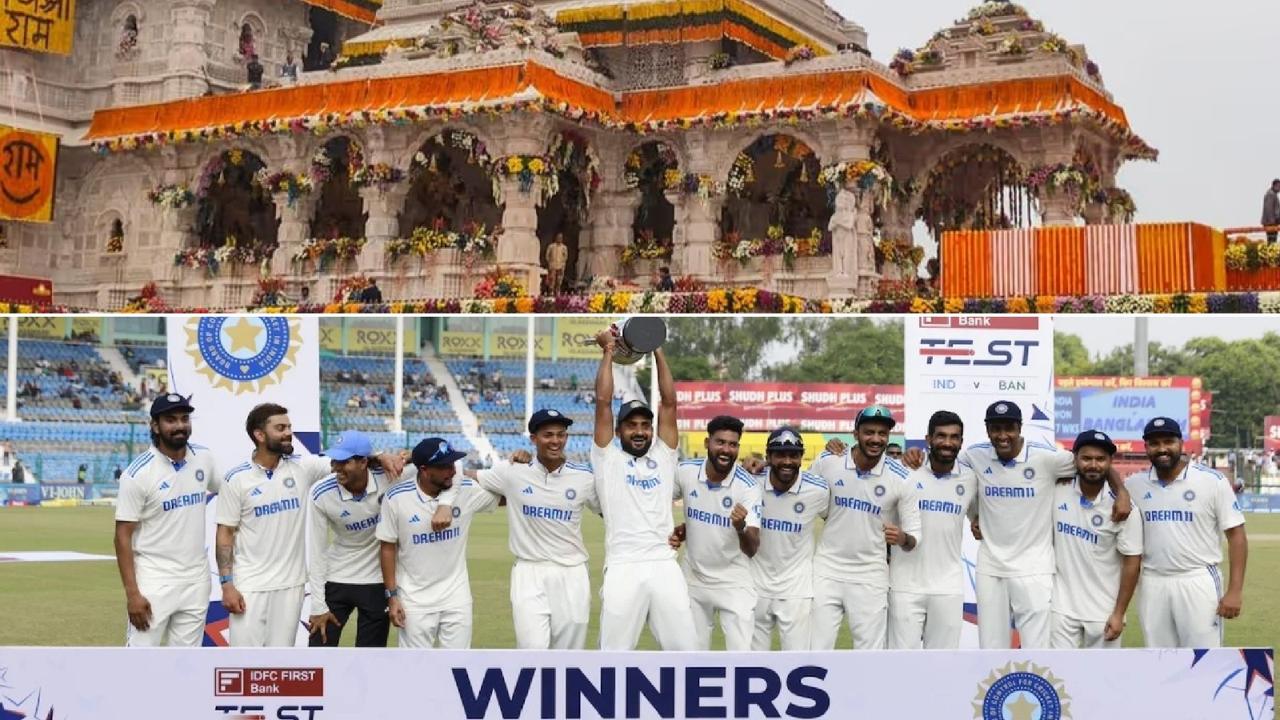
pixel 80 603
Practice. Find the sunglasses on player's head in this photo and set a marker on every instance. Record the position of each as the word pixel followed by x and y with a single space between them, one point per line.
pixel 875 412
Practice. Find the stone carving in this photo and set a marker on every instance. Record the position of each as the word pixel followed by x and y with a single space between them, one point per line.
pixel 482 26
pixel 843 227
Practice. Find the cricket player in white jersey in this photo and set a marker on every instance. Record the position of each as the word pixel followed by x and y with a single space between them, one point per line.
pixel 1016 478
pixel 550 586
pixel 1098 559
pixel 635 481
pixel 424 571
pixel 342 561
pixel 872 505
pixel 261 524
pixel 782 568
pixel 721 533
pixel 926 585
pixel 1185 508
pixel 159 534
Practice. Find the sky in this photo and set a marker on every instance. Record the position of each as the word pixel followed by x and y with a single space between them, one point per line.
pixel 1101 334
pixel 1199 81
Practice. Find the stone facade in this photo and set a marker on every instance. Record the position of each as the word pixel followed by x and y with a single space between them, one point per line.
pixel 186 47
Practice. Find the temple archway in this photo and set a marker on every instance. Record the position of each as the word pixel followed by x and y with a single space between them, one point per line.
pixel 565 213
pixel 773 184
pixel 451 188
pixel 652 168
pixel 339 210
pixel 977 187
pixel 234 210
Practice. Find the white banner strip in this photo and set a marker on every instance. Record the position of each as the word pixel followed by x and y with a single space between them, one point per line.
pixel 322 684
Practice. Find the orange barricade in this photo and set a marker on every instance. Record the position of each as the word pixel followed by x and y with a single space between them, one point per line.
pixel 1059 261
pixel 1164 258
pixel 1208 259
pixel 966 264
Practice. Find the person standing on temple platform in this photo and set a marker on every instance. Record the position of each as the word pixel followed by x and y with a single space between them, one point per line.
pixel 557 258
pixel 665 282
pixel 1271 210
pixel 289 70
pixel 254 70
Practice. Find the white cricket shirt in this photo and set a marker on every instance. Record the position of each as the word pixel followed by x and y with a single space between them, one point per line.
pixel 635 497
pixel 544 509
pixel 783 566
pixel 935 566
pixel 167 500
pixel 267 508
pixel 712 556
pixel 1089 548
pixel 852 548
pixel 343 548
pixel 1182 522
pixel 1015 506
pixel 431 567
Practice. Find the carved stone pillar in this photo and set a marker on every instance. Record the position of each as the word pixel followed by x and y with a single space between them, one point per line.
pixel 177 226
pixel 1095 213
pixel 1057 207
pixel 611 217
pixel 518 247
pixel 701 230
pixel 186 50
pixel 295 223
pixel 864 229
pixel 382 223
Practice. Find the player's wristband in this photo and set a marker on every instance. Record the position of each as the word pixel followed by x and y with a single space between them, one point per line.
pixel 392 592
pixel 224 579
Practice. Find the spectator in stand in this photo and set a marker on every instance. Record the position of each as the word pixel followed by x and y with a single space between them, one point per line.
pixel 1271 209
pixel 82 473
pixel 19 472
pixel 327 57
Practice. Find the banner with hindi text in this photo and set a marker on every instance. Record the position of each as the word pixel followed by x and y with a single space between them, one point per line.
pixel 28 173
pixel 46 26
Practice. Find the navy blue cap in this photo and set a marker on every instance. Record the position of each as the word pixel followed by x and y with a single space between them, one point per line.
pixel 350 444
pixel 631 408
pixel 1162 426
pixel 547 417
pixel 435 452
pixel 1096 438
pixel 1002 410
pixel 874 413
pixel 172 402
pixel 785 438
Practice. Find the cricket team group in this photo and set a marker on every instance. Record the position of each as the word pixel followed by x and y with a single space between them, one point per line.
pixel 1064 541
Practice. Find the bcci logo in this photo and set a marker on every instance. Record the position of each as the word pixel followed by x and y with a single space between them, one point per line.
pixel 1021 691
pixel 1096 520
pixel 1189 495
pixel 200 476
pixel 727 503
pixel 1029 473
pixel 457 512
pixel 960 490
pixel 799 508
pixel 246 353
pixel 879 491
pixel 570 494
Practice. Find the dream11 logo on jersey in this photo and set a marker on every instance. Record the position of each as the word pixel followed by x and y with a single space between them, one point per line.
pixel 998 350
pixel 249 684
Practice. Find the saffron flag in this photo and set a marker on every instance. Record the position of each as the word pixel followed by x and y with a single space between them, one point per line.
pixel 28 169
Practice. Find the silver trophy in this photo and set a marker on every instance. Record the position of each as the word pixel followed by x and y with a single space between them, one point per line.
pixel 635 337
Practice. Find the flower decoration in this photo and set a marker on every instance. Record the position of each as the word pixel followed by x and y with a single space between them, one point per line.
pixel 646 247
pixel 474 241
pixel 528 170
pixel 903 62
pixel 996 9
pixel 499 283
pixel 115 243
pixel 799 53
pixel 775 243
pixel 1011 47
pixel 172 197
pixel 719 61
pixel 325 251
pixel 294 185
pixel 380 175
pixel 270 292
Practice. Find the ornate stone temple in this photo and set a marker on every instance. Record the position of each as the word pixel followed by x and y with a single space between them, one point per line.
pixel 424 144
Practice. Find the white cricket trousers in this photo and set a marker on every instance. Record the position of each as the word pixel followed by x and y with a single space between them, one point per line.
pixel 450 628
pixel 1181 611
pixel 792 617
pixel 551 605
pixel 931 622
pixel 636 591
pixel 1071 633
pixel 737 608
pixel 270 618
pixel 177 615
pixel 866 606
pixel 1026 600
